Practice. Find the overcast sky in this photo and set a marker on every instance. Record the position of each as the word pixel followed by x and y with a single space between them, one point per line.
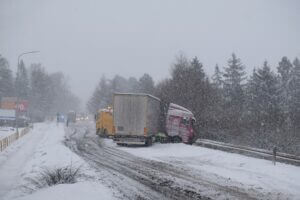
pixel 88 38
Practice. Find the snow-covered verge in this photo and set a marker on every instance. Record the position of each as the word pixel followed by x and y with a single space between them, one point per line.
pixel 43 148
pixel 281 179
pixel 77 191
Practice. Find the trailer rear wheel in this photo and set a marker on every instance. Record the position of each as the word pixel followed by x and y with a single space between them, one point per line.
pixel 105 133
pixel 98 132
pixel 176 139
pixel 148 142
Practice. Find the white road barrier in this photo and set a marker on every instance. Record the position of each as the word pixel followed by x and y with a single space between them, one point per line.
pixel 5 142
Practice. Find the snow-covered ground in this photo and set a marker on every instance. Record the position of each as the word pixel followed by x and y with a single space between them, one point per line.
pixel 78 191
pixel 250 172
pixel 43 148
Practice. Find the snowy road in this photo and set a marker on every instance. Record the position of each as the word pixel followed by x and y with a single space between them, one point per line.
pixel 137 178
pixel 163 171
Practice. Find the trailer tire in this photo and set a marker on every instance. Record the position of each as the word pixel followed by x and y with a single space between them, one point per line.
pixel 176 139
pixel 122 144
pixel 148 142
pixel 98 132
pixel 191 141
pixel 105 133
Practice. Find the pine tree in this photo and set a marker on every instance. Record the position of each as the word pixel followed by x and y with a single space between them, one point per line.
pixel 217 99
pixel 119 84
pixel 262 99
pixel 217 77
pixel 197 69
pixel 22 82
pixel 60 96
pixel 234 77
pixel 6 79
pixel 179 85
pixel 146 84
pixel 188 87
pixel 133 85
pixel 294 87
pixel 101 98
pixel 285 68
pixel 41 95
pixel 198 92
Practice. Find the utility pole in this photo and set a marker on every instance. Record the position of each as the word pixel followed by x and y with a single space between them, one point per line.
pixel 18 98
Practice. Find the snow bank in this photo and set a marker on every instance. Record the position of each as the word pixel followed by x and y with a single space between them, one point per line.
pixel 77 191
pixel 251 172
pixel 44 148
pixel 50 152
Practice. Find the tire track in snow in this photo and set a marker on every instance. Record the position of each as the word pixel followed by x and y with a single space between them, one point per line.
pixel 157 177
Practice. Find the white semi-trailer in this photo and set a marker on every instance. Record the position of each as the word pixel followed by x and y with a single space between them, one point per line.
pixel 136 118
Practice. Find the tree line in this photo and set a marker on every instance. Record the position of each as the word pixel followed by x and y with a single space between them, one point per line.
pixel 46 93
pixel 260 110
pixel 103 93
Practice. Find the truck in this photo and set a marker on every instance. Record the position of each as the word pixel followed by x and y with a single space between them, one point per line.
pixel 142 118
pixel 180 124
pixel 135 118
pixel 104 122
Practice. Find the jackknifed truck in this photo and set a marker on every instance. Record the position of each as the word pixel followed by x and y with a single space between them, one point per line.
pixel 142 118
pixel 135 118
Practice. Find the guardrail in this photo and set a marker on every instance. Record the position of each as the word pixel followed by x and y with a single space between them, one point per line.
pixel 5 142
pixel 249 151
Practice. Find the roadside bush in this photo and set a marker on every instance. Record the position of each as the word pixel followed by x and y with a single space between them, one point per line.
pixel 61 175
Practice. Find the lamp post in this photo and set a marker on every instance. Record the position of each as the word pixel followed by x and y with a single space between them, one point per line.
pixel 17 102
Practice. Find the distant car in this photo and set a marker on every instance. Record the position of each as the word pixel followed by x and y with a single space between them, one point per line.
pixel 61 118
pixel 81 117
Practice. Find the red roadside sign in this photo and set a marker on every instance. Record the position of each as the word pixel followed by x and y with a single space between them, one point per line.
pixel 22 106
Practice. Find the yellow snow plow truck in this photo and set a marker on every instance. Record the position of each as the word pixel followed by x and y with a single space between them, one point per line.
pixel 105 123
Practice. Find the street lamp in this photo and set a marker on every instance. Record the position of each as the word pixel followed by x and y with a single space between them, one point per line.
pixel 17 102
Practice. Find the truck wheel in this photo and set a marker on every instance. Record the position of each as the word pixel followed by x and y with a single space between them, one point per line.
pixel 169 139
pixel 98 132
pixel 176 139
pixel 148 141
pixel 102 133
pixel 191 141
pixel 105 133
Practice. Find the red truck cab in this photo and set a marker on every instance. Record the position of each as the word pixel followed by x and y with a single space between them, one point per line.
pixel 179 124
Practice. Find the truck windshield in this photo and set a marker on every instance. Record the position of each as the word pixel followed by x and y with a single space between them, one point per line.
pixel 185 121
